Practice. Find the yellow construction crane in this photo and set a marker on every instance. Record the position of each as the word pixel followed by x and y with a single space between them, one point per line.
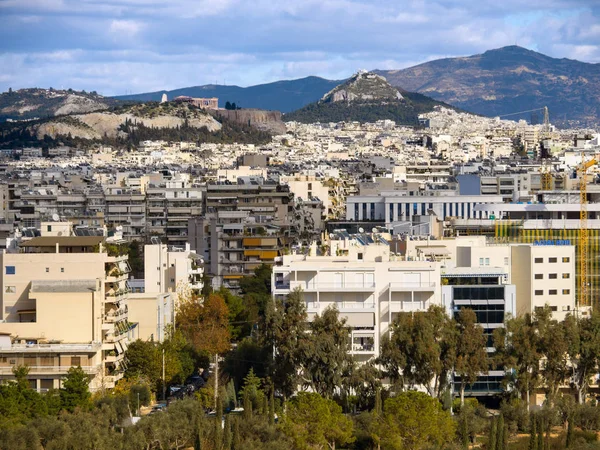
pixel 584 299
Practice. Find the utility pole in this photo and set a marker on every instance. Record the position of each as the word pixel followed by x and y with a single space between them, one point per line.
pixel 216 379
pixel 164 386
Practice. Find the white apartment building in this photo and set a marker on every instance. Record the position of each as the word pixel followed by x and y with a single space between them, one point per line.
pixel 368 288
pixel 169 273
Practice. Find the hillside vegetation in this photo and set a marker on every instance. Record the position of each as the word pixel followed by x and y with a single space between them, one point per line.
pixel 127 126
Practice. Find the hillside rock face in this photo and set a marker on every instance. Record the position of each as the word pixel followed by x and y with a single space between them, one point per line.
pixel 509 80
pixel 263 120
pixel 363 86
pixel 40 103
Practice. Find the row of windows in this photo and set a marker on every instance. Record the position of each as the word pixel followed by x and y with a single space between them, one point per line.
pixel 551 276
pixel 11 270
pixel 553 292
pixel 565 259
pixel 479 293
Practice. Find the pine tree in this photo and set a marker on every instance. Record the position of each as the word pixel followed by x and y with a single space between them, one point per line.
pixel 500 433
pixel 493 435
pixel 532 432
pixel 540 438
pixel 219 424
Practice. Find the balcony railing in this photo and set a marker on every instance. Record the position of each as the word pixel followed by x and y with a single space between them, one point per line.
pixel 50 369
pixel 411 285
pixel 363 348
pixel 317 286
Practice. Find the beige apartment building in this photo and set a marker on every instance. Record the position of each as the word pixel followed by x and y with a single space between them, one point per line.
pixel 64 304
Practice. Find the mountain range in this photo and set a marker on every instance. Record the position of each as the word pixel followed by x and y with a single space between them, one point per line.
pixel 509 80
pixel 284 96
pixel 501 82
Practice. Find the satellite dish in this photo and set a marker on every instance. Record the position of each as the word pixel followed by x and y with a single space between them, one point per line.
pixel 331 236
pixel 361 230
pixel 55 217
pixel 375 230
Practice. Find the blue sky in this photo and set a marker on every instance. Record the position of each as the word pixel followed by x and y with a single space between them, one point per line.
pixel 130 46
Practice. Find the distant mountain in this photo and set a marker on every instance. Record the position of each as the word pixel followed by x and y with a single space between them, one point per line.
pixel 365 97
pixel 25 104
pixel 281 96
pixel 509 80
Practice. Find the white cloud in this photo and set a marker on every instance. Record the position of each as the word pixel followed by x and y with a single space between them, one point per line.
pixel 125 27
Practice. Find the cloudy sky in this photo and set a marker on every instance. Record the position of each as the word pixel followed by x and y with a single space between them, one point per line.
pixel 130 46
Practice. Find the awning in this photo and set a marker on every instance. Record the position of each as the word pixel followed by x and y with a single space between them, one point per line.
pixel 361 319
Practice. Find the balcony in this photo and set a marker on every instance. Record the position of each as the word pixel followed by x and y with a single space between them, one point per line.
pixel 309 286
pixel 412 286
pixel 41 370
pixel 355 306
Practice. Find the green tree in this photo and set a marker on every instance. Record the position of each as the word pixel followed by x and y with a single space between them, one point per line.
pixel 491 445
pixel 471 354
pixel 500 433
pixel 421 350
pixel 532 432
pixel 517 350
pixel 583 337
pixel 414 420
pixel 553 348
pixel 316 422
pixel 75 392
pixel 327 363
pixel 284 331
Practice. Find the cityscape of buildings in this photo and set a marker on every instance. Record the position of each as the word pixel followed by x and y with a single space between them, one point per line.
pixel 374 219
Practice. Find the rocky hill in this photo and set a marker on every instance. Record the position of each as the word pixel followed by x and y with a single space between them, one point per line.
pixel 365 97
pixel 35 103
pixel 284 96
pixel 127 126
pixel 509 80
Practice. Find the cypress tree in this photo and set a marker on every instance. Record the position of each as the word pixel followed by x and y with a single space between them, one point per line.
pixel 219 424
pixel 493 435
pixel 500 433
pixel 547 437
pixel 569 432
pixel 227 437
pixel 540 438
pixel 272 407
pixel 198 441
pixel 464 430
pixel 505 437
pixel 378 409
pixel 532 432
pixel 247 406
pixel 236 440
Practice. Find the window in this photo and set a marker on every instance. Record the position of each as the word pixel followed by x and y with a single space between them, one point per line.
pixel 481 261
pixel 487 261
pixel 566 308
pixel 49 228
pixel 553 276
pixel 10 270
pixel 566 291
pixel 539 276
pixel 552 260
pixel 75 361
pixel 552 292
pixel 506 261
pixel 360 256
pixel 10 289
pixel 62 270
pixel 539 292
pixel 566 259
pixel 554 308
pixel 47 269
pixel 566 275
pixel 538 260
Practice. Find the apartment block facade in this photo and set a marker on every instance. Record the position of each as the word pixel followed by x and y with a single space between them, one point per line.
pixel 64 304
